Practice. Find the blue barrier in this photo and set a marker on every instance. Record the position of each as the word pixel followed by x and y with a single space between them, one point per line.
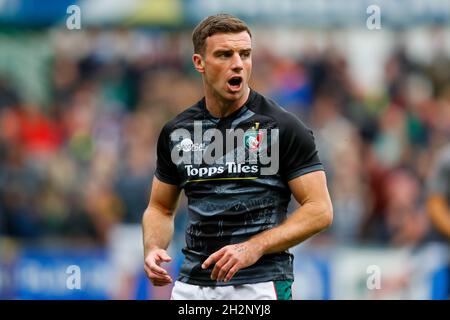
pixel 45 273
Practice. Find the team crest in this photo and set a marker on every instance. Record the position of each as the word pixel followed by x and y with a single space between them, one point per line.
pixel 252 138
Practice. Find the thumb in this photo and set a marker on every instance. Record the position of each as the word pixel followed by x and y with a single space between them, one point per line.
pixel 164 256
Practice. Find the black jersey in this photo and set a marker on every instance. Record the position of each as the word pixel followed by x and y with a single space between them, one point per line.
pixel 243 191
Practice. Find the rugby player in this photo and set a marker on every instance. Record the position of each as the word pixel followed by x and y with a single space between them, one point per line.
pixel 238 234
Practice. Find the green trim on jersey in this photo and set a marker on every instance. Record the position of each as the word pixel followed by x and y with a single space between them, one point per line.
pixel 283 289
pixel 216 179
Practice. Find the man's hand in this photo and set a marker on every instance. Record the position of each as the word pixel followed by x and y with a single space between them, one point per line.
pixel 230 259
pixel 157 275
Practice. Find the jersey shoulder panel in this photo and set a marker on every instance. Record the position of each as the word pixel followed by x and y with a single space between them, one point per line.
pixel 298 153
pixel 191 113
pixel 166 171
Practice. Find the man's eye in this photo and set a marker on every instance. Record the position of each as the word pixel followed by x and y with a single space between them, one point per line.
pixel 245 54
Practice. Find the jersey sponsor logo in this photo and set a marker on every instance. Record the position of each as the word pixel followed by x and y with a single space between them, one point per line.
pixel 253 147
pixel 210 171
pixel 188 145
pixel 252 138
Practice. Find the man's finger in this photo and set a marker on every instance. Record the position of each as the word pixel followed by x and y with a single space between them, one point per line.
pixel 218 265
pixel 224 270
pixel 155 268
pixel 163 279
pixel 231 273
pixel 163 256
pixel 160 276
pixel 160 283
pixel 212 258
pixel 154 275
pixel 159 257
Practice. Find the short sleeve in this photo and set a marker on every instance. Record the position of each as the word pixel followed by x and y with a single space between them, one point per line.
pixel 298 153
pixel 166 170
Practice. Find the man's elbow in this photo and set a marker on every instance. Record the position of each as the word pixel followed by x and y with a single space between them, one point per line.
pixel 326 216
pixel 155 210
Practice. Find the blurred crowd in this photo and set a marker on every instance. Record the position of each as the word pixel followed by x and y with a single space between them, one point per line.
pixel 78 165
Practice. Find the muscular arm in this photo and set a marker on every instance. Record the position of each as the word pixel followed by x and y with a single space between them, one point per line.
pixel 439 213
pixel 314 215
pixel 158 218
pixel 157 228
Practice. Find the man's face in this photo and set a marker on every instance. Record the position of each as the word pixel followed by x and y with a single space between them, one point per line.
pixel 226 64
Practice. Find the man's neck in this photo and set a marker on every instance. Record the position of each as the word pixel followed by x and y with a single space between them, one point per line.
pixel 221 108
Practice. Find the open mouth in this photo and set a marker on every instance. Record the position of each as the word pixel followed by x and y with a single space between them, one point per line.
pixel 235 83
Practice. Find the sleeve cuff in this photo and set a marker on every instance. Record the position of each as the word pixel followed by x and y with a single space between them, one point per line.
pixel 304 170
pixel 166 179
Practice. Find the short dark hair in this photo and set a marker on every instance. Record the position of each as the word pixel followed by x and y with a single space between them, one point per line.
pixel 219 23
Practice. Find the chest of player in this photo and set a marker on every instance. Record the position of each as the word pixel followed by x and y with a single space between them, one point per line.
pixel 207 149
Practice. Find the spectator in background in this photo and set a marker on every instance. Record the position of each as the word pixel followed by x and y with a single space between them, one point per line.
pixel 406 225
pixel 438 201
pixel 339 143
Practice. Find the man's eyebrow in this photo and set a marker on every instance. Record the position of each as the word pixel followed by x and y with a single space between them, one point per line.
pixel 219 51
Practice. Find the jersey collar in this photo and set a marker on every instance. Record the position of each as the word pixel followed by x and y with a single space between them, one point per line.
pixel 233 115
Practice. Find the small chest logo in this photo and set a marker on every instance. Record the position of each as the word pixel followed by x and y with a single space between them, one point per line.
pixel 187 145
pixel 253 138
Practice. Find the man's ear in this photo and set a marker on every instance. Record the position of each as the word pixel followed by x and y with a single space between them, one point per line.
pixel 199 62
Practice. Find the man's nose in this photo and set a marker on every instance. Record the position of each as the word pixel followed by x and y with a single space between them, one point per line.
pixel 237 63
